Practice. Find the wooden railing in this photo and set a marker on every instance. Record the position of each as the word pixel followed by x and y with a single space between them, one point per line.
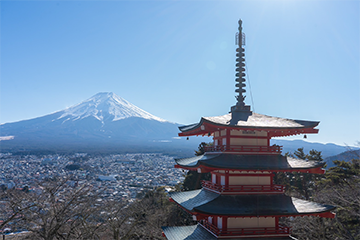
pixel 251 149
pixel 246 231
pixel 243 188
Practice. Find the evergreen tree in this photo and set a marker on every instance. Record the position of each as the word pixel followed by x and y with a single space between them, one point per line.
pixel 300 184
pixel 193 179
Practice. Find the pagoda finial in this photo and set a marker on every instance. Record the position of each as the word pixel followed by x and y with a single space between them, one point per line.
pixel 240 110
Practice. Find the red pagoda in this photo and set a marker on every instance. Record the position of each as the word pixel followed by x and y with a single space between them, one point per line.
pixel 241 201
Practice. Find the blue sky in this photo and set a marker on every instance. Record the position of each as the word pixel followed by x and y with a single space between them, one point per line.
pixel 175 59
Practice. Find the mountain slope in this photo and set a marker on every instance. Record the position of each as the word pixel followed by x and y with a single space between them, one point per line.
pixel 344 156
pixel 108 123
pixel 105 107
pixel 100 121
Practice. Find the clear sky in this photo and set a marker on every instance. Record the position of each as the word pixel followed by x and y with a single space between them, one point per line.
pixel 176 59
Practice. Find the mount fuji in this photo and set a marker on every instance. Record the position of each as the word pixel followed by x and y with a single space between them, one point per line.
pixel 107 123
pixel 105 107
pixel 103 122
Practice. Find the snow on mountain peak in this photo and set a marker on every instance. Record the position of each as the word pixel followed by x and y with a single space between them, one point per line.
pixel 106 106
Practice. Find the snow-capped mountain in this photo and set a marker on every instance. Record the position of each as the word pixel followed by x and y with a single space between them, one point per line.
pixel 105 106
pixel 102 121
pixel 108 123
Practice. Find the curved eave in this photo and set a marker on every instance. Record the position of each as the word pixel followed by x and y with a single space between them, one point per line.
pixel 206 127
pixel 205 203
pixel 198 232
pixel 187 232
pixel 273 163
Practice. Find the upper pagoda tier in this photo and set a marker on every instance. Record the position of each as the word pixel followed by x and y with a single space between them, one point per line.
pixel 250 121
pixel 241 118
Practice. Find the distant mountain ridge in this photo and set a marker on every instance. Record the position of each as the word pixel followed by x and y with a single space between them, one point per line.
pixel 108 123
pixel 344 156
pixel 103 121
pixel 328 149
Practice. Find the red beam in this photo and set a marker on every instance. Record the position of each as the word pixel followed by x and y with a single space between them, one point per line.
pixel 206 169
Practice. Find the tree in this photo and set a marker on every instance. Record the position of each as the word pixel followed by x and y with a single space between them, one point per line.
pixel 201 148
pixel 300 184
pixel 14 204
pixel 56 211
pixel 339 187
pixel 193 179
pixel 143 218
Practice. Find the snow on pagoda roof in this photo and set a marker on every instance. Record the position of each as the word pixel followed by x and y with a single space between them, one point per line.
pixel 259 120
pixel 251 121
pixel 248 162
pixel 207 202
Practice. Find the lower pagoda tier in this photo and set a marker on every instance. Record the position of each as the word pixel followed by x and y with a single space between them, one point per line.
pixel 248 162
pixel 202 232
pixel 203 203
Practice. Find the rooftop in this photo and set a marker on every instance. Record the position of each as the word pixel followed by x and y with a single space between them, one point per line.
pixel 198 232
pixel 210 203
pixel 210 161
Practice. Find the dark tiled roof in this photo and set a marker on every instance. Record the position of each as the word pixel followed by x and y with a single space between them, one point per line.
pixel 248 162
pixel 207 202
pixel 199 233
pixel 187 232
pixel 255 120
pixel 189 199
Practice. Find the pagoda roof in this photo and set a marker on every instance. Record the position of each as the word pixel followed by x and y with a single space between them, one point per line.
pixel 209 203
pixel 271 162
pixel 198 232
pixel 253 121
pixel 187 232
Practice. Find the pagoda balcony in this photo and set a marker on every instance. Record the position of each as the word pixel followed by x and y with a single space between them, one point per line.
pixel 242 188
pixel 280 230
pixel 245 149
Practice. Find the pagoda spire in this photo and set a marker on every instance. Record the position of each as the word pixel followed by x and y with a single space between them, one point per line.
pixel 240 111
pixel 241 200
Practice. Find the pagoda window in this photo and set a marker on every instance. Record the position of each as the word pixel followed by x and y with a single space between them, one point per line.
pixel 216 134
pixel 213 178
pixel 267 222
pixel 216 142
pixel 224 141
pixel 210 219
pixel 261 222
pixel 223 132
pixel 219 222
pixel 222 180
pixel 249 180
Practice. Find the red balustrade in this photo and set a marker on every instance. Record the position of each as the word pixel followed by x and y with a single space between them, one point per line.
pixel 251 149
pixel 246 231
pixel 243 188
